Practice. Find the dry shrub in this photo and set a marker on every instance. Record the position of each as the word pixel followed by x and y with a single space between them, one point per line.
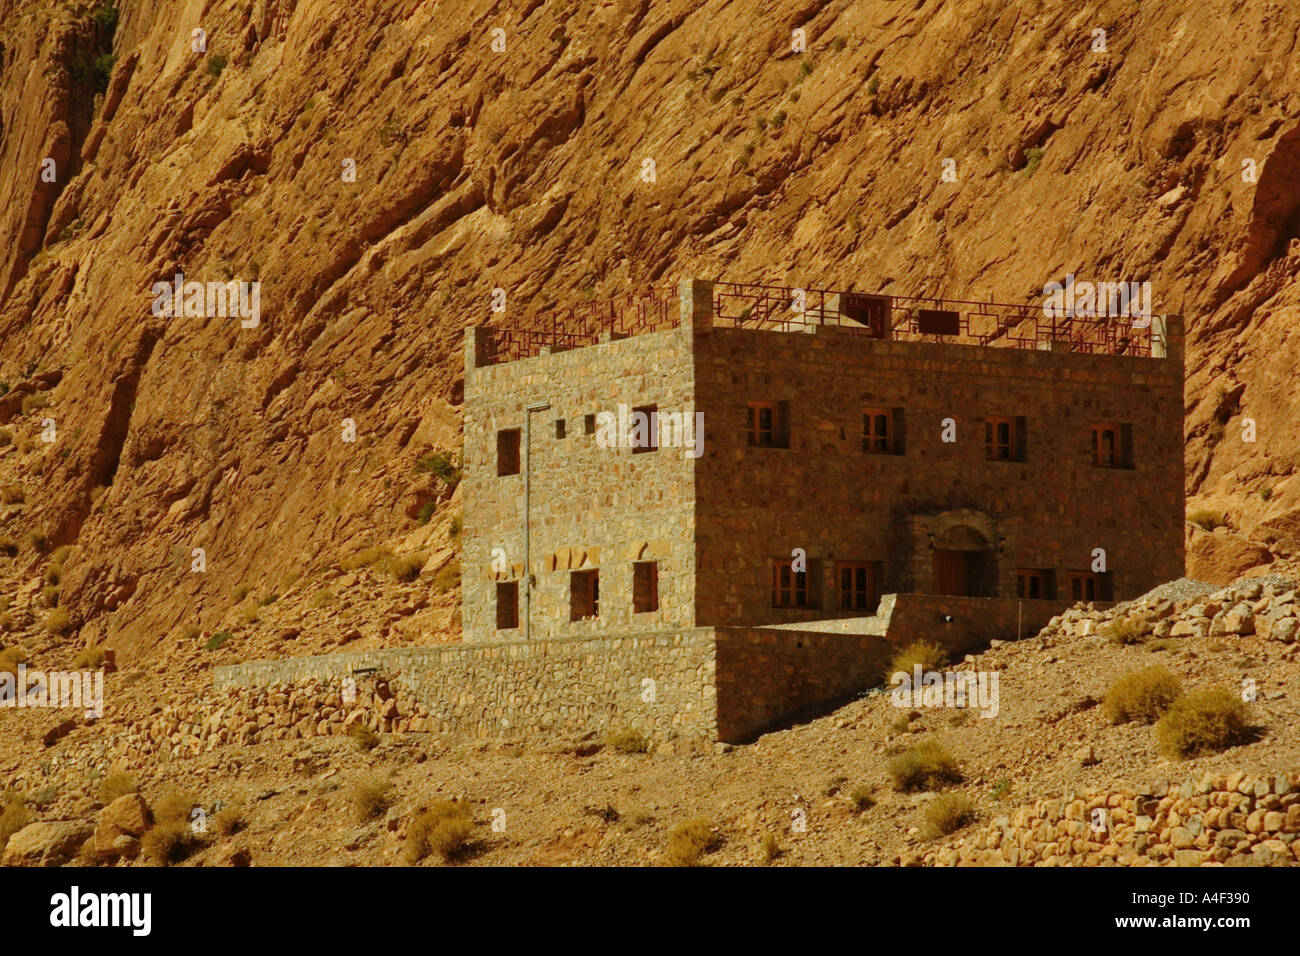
pixel 366 558
pixel 689 840
pixel 947 813
pixel 91 659
pixel 175 807
pixel 447 578
pixel 116 785
pixel 407 567
pixel 1142 695
pixel 771 847
pixel 445 828
pixel 862 798
pixel 931 657
pixel 628 740
pixel 58 621
pixel 229 821
pixel 925 766
pixel 363 737
pixel 1204 721
pixel 1122 632
pixel 10 658
pixel 169 843
pixel 370 797
pixel 1207 519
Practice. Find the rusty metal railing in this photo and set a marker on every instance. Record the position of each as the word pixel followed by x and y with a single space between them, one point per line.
pixel 790 309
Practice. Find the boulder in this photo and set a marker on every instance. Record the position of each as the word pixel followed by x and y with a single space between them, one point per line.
pixel 46 844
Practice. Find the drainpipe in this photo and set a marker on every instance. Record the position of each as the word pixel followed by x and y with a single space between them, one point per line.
pixel 528 485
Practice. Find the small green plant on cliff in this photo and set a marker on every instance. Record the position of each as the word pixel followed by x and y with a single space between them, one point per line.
pixel 689 840
pixel 440 465
pixel 426 511
pixel 946 814
pixel 1033 159
pixel 1207 519
pixel 1204 721
pixel 216 63
pixel 216 640
pixel 931 657
pixel 925 766
pixel 1141 695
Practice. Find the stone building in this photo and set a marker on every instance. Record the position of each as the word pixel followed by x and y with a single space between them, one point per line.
pixel 750 456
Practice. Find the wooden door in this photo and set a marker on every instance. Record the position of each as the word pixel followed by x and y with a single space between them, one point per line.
pixel 949 572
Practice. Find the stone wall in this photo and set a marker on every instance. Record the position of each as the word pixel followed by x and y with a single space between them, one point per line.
pixel 1219 818
pixel 577 504
pixel 824 494
pixel 661 683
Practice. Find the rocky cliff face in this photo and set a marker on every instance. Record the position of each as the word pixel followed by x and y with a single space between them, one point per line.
pixel 381 168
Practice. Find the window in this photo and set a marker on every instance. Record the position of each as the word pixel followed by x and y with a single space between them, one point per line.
pixel 508 452
pixel 584 595
pixel 1004 438
pixel 559 428
pixel 858 585
pixel 507 605
pixel 767 424
pixel 1112 446
pixel 645 586
pixel 589 424
pixel 880 432
pixel 1035 584
pixel 1090 586
pixel 645 428
pixel 789 587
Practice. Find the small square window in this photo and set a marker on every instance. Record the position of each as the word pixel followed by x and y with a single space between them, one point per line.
pixel 584 595
pixel 559 428
pixel 1035 584
pixel 645 586
pixel 1112 446
pixel 878 432
pixel 508 451
pixel 767 424
pixel 858 585
pixel 589 424
pixel 1090 586
pixel 644 435
pixel 791 588
pixel 1004 438
pixel 507 605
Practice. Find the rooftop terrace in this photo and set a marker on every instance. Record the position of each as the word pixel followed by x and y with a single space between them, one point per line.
pixel 793 309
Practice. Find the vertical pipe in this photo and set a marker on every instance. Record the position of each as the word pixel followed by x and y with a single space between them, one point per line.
pixel 528 531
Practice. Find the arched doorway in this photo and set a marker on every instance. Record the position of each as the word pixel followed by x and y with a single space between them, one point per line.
pixel 963 562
